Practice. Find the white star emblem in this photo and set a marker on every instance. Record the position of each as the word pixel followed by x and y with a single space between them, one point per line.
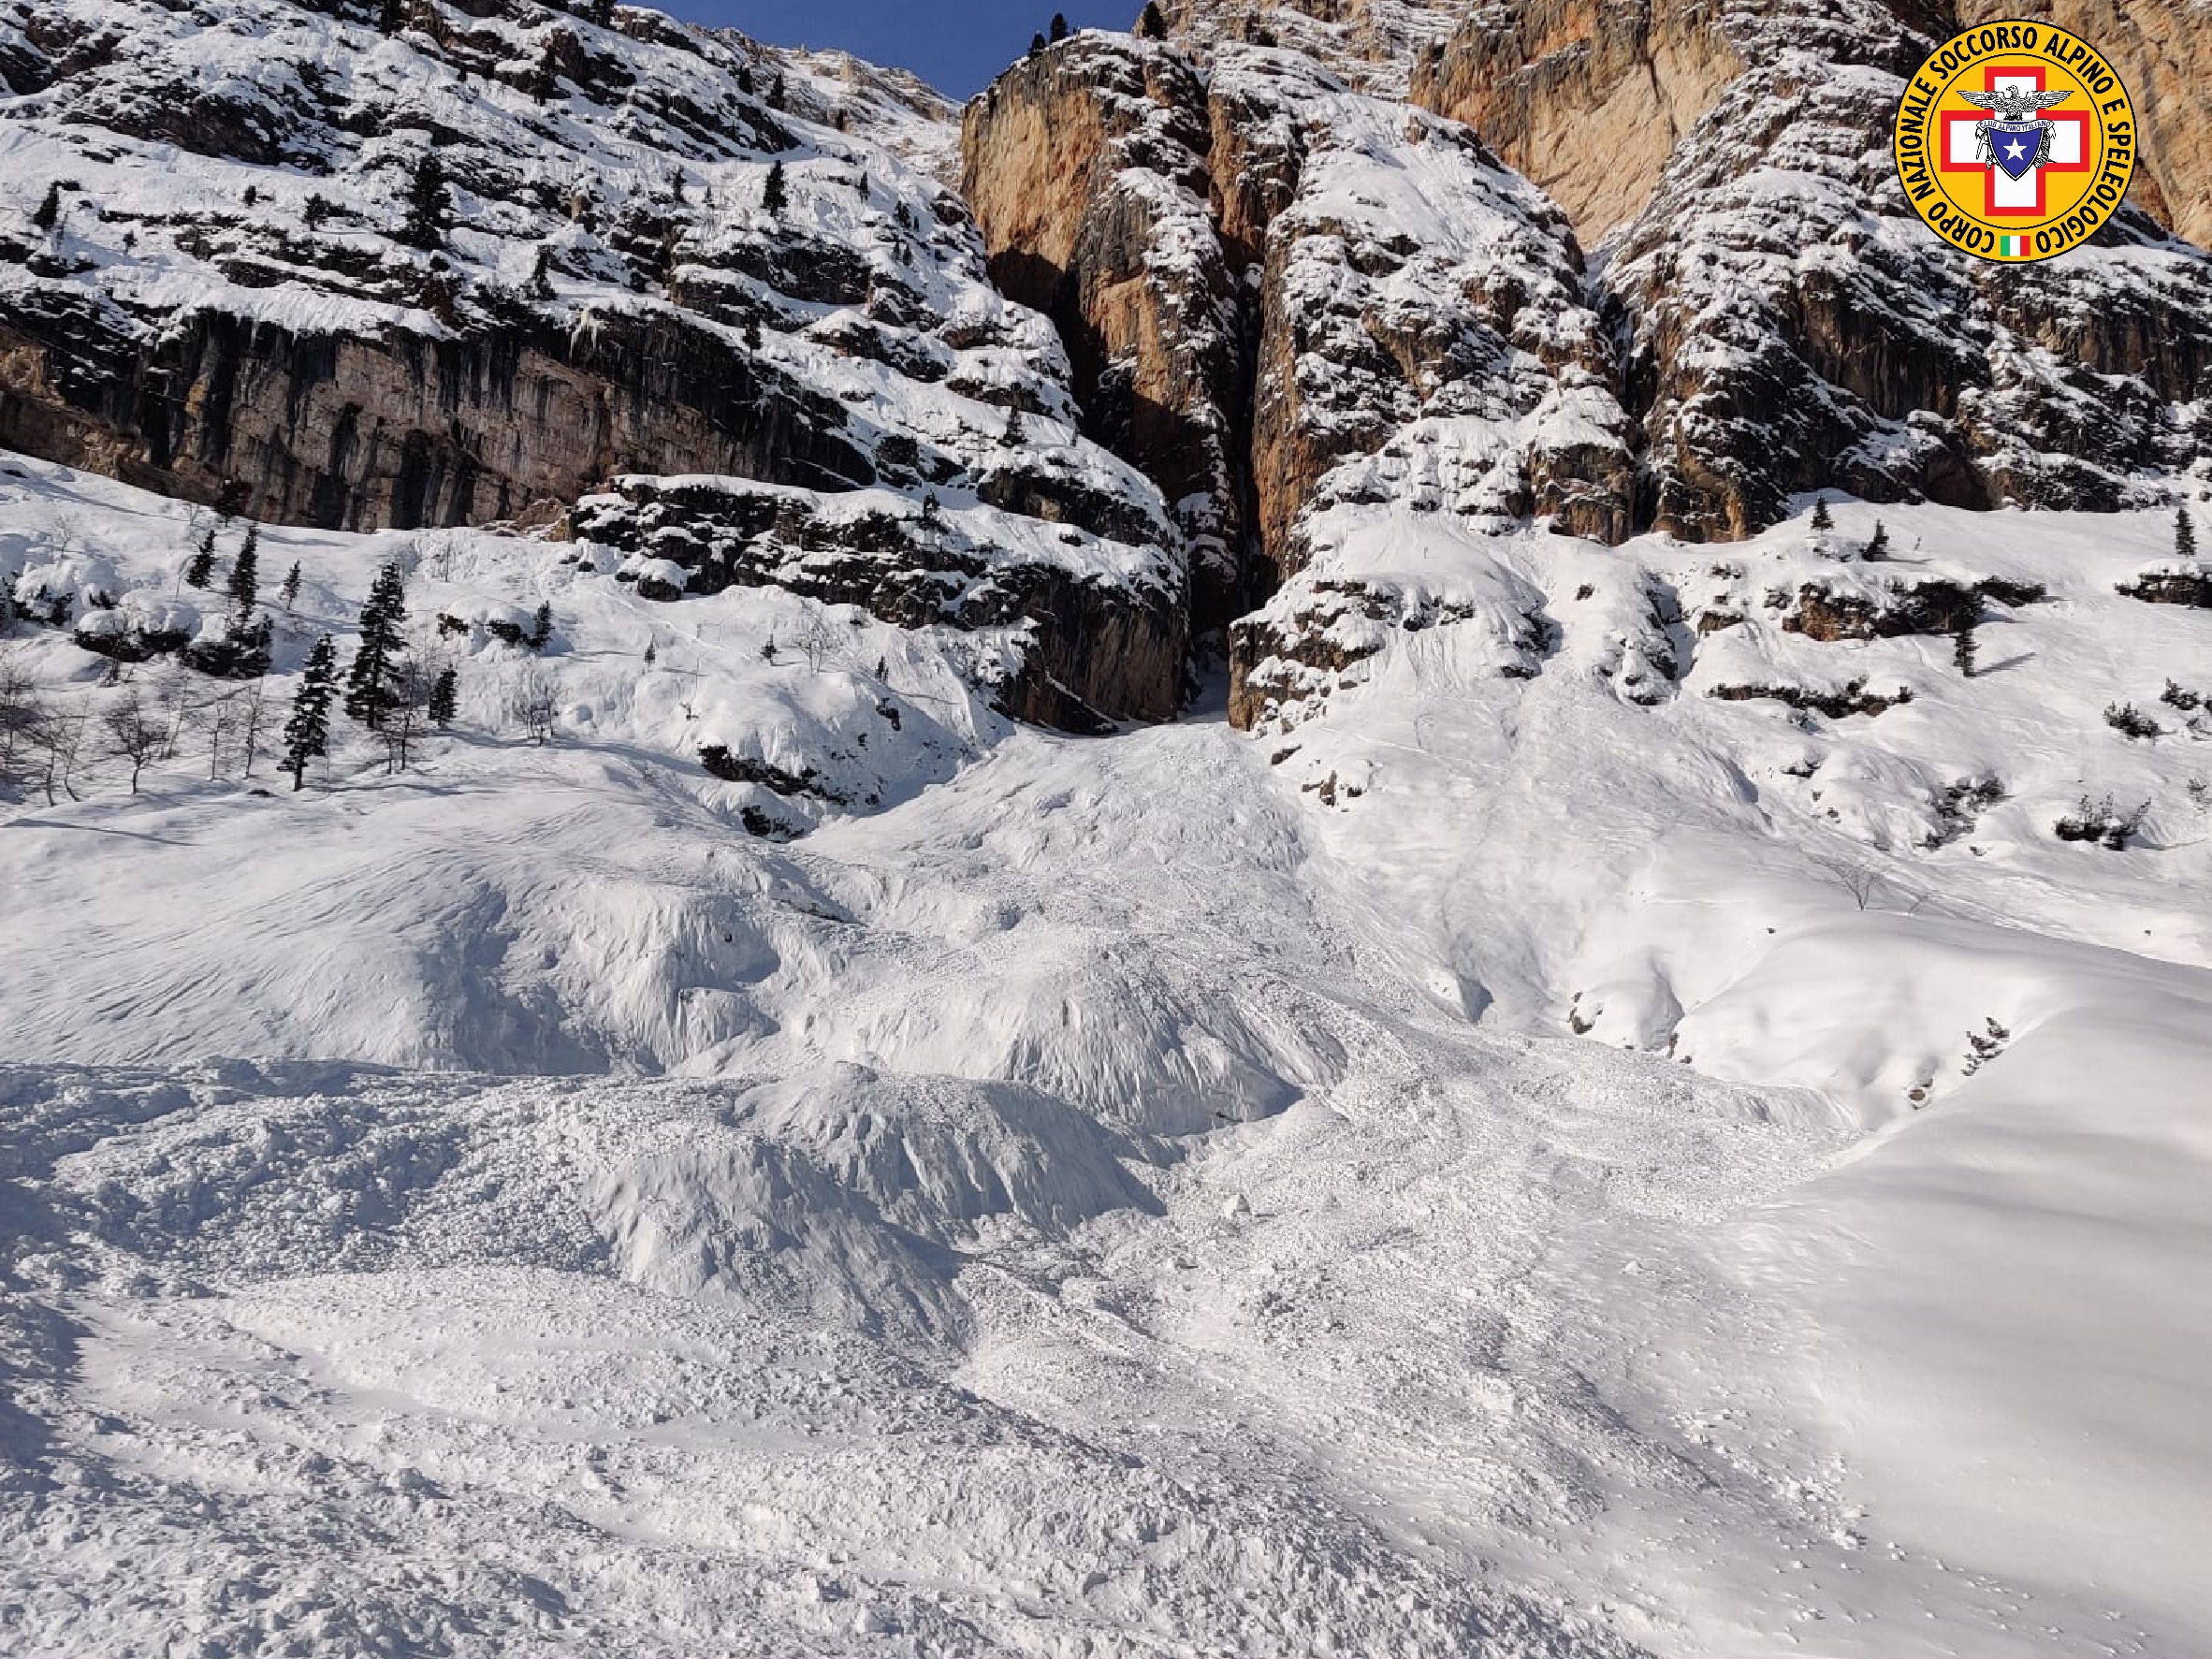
pixel 2016 149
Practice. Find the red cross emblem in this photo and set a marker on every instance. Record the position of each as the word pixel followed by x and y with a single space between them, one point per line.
pixel 2004 197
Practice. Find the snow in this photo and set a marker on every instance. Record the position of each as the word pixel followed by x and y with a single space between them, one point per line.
pixel 1109 1197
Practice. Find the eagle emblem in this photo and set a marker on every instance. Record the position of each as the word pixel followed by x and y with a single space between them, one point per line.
pixel 2016 139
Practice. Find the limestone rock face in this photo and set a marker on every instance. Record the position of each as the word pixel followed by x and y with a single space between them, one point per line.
pixel 1381 263
pixel 1085 167
pixel 404 429
pixel 1094 631
pixel 1587 98
pixel 372 266
pixel 1795 328
pixel 1789 325
pixel 2164 53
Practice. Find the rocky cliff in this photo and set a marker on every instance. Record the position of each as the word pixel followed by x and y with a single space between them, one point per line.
pixel 1378 266
pixel 408 266
pixel 1085 167
pixel 2164 53
pixel 1208 298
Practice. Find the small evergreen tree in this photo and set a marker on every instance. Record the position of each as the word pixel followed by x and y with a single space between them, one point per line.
pixel 200 573
pixel 1037 46
pixel 290 590
pixel 776 91
pixel 428 202
pixel 1150 24
pixel 774 197
pixel 1878 549
pixel 1821 518
pixel 1059 29
pixel 48 212
pixel 245 574
pixel 1016 433
pixel 541 628
pixel 369 683
pixel 1964 646
pixel 444 698
pixel 307 734
pixel 752 334
pixel 2185 536
pixel 317 210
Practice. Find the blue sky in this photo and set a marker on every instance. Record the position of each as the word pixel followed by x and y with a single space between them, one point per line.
pixel 958 47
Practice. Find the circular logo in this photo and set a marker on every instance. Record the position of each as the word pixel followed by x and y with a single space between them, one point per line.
pixel 2015 141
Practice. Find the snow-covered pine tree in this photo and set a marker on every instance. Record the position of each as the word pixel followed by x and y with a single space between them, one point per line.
pixel 428 202
pixel 2185 536
pixel 49 212
pixel 1878 549
pixel 1037 44
pixel 774 197
pixel 1821 518
pixel 290 590
pixel 1016 433
pixel 541 627
pixel 1059 28
pixel 244 587
pixel 307 734
pixel 1965 648
pixel 200 573
pixel 369 683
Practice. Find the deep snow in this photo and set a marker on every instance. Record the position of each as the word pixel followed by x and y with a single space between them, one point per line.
pixel 1130 1196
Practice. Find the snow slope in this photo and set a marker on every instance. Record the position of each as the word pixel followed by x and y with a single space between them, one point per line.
pixel 1438 1176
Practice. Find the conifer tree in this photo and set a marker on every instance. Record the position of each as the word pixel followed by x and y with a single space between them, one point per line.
pixel 1037 46
pixel 774 197
pixel 245 574
pixel 776 91
pixel 1059 30
pixel 368 690
pixel 290 590
pixel 428 202
pixel 200 573
pixel 307 734
pixel 541 628
pixel 1821 518
pixel 1150 24
pixel 444 698
pixel 1016 433
pixel 2185 536
pixel 1965 648
pixel 1878 549
pixel 49 212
